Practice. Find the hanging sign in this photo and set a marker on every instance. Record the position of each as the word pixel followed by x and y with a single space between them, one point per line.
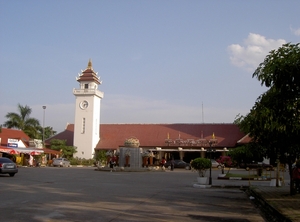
pixel 13 143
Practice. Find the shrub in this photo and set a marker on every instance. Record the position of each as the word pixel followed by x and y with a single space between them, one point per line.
pixel 225 161
pixel 201 165
pixel 82 161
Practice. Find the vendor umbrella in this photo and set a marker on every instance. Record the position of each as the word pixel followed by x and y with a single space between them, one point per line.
pixel 13 152
pixel 35 153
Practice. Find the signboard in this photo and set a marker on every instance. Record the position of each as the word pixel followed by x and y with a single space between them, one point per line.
pixel 13 143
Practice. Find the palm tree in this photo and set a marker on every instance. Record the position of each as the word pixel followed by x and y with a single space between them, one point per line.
pixel 48 132
pixel 23 121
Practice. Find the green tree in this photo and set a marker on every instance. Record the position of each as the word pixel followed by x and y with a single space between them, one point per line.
pixel 60 145
pixel 247 153
pixel 23 121
pixel 100 156
pixel 48 132
pixel 274 120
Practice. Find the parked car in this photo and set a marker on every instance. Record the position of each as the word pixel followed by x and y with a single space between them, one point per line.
pixel 215 164
pixel 61 162
pixel 8 167
pixel 256 165
pixel 178 164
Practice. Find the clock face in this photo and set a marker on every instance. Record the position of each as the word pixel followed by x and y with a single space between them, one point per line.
pixel 84 104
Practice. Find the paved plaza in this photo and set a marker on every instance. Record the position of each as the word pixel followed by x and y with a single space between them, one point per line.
pixel 83 194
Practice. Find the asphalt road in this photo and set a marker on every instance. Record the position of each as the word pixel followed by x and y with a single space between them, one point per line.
pixel 83 194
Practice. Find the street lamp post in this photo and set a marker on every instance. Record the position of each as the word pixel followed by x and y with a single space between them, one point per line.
pixel 44 108
pixel 211 142
pixel 210 150
pixel 208 143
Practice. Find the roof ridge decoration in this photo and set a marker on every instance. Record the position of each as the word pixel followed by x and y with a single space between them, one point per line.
pixel 89 74
pixel 90 65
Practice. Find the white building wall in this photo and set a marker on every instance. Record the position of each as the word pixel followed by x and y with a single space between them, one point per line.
pixel 86 128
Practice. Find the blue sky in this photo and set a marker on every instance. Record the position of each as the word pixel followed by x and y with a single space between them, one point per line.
pixel 160 61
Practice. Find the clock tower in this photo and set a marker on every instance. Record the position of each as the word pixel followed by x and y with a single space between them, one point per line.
pixel 87 113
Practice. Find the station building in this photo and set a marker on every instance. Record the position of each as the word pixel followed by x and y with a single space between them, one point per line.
pixel 183 141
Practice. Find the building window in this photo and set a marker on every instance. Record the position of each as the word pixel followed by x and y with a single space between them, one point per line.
pixel 86 86
pixel 83 126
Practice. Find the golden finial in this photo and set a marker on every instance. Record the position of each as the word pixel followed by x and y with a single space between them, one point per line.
pixel 89 64
pixel 213 135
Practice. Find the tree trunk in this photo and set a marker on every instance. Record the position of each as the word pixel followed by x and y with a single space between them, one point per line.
pixel 292 188
pixel 277 173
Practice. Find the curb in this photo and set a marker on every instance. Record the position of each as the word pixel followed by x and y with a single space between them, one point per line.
pixel 270 212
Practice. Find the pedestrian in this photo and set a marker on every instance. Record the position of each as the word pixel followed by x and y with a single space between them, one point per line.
pixel 172 164
pixel 163 161
pixel 296 176
pixel 111 164
pixel 30 161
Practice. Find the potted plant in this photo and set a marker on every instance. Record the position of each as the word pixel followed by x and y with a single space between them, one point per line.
pixel 201 165
pixel 132 142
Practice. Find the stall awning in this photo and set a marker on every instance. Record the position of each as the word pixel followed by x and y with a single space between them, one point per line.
pixel 31 151
pixel 185 150
pixel 5 149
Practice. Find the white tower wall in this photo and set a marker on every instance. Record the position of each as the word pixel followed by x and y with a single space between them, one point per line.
pixel 87 114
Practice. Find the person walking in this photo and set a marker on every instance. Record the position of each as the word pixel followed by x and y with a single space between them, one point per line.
pixel 163 161
pixel 111 164
pixel 172 164
pixel 30 161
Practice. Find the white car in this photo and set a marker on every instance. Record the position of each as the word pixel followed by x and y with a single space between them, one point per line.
pixel 61 162
pixel 215 164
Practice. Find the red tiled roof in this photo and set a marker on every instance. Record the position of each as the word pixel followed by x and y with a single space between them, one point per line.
pixel 54 152
pixel 67 134
pixel 153 135
pixel 114 135
pixel 89 75
pixel 246 139
pixel 13 134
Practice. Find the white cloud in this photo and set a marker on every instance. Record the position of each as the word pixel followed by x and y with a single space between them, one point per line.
pixel 295 31
pixel 253 51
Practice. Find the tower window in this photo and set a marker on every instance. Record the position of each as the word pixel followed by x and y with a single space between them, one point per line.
pixel 83 126
pixel 86 86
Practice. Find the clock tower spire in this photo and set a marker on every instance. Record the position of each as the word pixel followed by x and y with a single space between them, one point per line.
pixel 87 112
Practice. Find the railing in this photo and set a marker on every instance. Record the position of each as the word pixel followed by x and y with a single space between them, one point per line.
pixel 88 92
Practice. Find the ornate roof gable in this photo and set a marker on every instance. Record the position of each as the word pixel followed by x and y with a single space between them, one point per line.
pixel 89 75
